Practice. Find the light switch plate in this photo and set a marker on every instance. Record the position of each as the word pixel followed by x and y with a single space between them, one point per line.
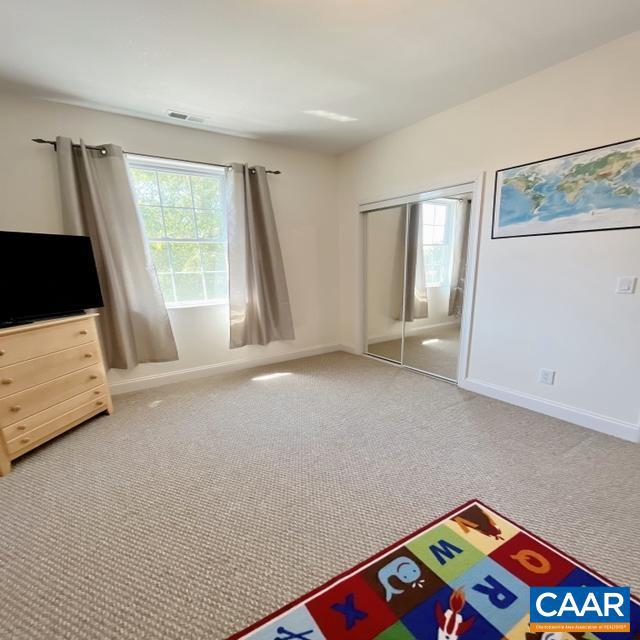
pixel 547 376
pixel 626 284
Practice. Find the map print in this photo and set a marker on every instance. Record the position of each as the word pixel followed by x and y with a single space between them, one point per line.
pixel 584 191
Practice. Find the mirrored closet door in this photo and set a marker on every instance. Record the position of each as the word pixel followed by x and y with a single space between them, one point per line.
pixel 385 263
pixel 415 267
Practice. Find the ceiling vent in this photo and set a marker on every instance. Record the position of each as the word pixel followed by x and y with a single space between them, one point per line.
pixel 188 117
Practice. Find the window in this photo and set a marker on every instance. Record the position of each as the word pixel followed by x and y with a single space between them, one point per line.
pixel 182 207
pixel 436 243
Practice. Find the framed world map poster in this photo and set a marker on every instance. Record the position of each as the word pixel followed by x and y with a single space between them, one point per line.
pixel 593 190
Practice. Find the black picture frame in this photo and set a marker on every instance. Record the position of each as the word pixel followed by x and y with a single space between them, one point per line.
pixel 552 233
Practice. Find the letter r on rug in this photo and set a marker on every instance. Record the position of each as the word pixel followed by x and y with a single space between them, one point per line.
pixel 499 595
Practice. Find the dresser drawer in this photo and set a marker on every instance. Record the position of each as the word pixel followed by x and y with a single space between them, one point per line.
pixel 30 373
pixel 24 427
pixel 20 444
pixel 29 344
pixel 24 404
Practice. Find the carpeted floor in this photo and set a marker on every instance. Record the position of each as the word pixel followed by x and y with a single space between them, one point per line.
pixel 202 506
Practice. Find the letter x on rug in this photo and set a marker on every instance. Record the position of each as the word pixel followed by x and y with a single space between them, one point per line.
pixel 465 575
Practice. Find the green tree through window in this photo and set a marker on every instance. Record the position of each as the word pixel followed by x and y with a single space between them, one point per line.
pixel 182 209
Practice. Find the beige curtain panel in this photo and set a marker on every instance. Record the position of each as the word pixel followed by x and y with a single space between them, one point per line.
pixel 259 309
pixel 97 201
pixel 415 303
pixel 460 244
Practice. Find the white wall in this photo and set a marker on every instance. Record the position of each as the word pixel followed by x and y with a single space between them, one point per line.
pixel 303 197
pixel 542 301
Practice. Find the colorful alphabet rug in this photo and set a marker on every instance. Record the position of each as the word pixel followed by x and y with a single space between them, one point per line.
pixel 467 576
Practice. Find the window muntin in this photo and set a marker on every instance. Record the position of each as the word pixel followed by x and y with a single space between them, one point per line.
pixel 182 208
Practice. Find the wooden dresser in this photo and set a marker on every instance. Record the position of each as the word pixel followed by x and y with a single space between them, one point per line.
pixel 52 378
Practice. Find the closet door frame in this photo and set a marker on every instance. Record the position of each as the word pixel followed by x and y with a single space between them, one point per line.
pixel 476 187
pixel 365 262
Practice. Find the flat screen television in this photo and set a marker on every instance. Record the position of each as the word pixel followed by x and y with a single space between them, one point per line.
pixel 45 276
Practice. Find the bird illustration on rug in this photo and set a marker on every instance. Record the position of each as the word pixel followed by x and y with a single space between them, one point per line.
pixel 450 623
pixel 476 519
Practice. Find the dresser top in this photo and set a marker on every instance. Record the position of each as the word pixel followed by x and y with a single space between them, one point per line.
pixel 33 326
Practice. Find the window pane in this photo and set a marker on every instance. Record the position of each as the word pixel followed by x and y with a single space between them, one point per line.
pixel 429 257
pixel 145 186
pixel 185 256
pixel 189 287
pixel 433 278
pixel 217 286
pixel 427 214
pixel 206 192
pixel 435 258
pixel 185 225
pixel 180 223
pixel 214 256
pixel 175 189
pixel 438 235
pixel 441 215
pixel 166 284
pixel 160 256
pixel 427 235
pixel 209 224
pixel 152 219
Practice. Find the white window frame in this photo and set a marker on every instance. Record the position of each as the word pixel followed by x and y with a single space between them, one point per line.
pixel 149 163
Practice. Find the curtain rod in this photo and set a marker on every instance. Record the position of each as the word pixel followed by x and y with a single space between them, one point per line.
pixel 147 155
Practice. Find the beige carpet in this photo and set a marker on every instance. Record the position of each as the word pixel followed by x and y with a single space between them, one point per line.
pixel 439 355
pixel 200 507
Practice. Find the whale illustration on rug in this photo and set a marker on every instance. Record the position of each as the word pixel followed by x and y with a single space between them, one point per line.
pixel 404 569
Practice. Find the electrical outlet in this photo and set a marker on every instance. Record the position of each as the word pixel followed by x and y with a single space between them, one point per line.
pixel 547 376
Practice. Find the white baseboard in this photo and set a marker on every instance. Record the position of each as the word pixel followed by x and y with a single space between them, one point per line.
pixel 349 349
pixel 180 375
pixel 413 331
pixel 610 426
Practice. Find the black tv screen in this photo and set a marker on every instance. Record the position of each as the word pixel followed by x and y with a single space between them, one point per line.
pixel 45 276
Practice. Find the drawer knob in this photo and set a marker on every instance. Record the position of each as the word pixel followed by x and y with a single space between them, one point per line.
pixel 16 408
pixel 21 427
pixel 25 440
pixel 99 403
pixel 7 380
pixel 88 355
pixel 83 332
pixel 96 392
pixel 93 376
pixel 2 352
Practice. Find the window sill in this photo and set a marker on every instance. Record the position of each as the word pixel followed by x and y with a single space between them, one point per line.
pixel 191 305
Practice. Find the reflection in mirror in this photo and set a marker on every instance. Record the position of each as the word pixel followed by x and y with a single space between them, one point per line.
pixel 384 260
pixel 436 262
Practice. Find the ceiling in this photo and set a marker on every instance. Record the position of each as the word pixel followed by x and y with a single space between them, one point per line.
pixel 253 67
